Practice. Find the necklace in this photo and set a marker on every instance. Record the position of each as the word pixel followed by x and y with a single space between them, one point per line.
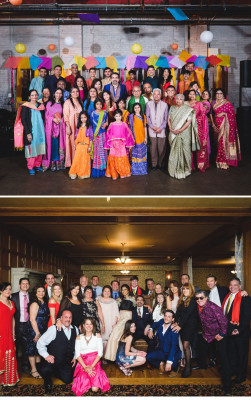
pixel 88 340
pixel 8 304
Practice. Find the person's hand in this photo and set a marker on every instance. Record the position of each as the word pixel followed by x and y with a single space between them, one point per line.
pixel 90 371
pixel 141 353
pixel 158 130
pixel 244 293
pixel 89 149
pixel 168 367
pixel 235 332
pixel 56 121
pixel 36 337
pixel 176 328
pixel 150 334
pixel 29 137
pixel 145 142
pixel 103 329
pixel 218 337
pixel 104 125
pixel 50 359
pixel 220 115
pixel 73 362
pixel 155 128
pixel 59 325
pixel 68 130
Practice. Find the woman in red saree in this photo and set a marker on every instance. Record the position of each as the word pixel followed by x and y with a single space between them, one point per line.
pixel 202 155
pixel 226 132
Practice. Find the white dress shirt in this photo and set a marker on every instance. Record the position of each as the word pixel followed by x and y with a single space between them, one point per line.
pixel 49 336
pixel 141 311
pixel 21 302
pixel 49 291
pixel 157 314
pixel 95 344
pixel 214 296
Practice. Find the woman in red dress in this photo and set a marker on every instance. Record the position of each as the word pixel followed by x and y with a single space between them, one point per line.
pixel 54 302
pixel 8 362
pixel 226 132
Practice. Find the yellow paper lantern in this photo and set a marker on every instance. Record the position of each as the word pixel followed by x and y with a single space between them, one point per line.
pixel 136 48
pixel 20 48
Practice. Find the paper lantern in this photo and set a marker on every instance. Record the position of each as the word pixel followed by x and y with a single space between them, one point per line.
pixel 16 2
pixel 136 48
pixel 206 37
pixel 51 47
pixel 20 48
pixel 174 46
pixel 69 41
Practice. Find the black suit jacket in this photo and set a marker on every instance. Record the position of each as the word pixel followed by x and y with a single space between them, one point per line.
pixel 244 320
pixel 223 291
pixel 141 323
pixel 16 301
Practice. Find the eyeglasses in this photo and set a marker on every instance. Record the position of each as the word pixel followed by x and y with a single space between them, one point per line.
pixel 199 298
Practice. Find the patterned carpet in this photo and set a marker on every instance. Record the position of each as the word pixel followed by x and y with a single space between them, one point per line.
pixel 136 390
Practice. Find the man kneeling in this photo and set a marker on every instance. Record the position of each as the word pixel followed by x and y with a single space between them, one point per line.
pixel 57 349
pixel 168 354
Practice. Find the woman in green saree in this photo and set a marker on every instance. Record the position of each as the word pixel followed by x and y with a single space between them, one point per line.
pixel 183 138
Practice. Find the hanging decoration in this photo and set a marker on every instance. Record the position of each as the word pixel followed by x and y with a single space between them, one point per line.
pixel 206 37
pixel 69 41
pixel 178 14
pixel 16 2
pixel 20 48
pixel 174 46
pixel 51 47
pixel 136 48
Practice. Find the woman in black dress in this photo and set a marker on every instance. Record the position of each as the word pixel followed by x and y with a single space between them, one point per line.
pixel 73 303
pixel 37 325
pixel 186 322
pixel 92 309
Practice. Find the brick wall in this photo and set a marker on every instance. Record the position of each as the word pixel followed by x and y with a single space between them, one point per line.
pixel 100 40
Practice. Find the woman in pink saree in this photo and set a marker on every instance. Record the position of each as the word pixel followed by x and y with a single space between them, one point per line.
pixel 202 155
pixel 54 133
pixel 88 373
pixel 226 132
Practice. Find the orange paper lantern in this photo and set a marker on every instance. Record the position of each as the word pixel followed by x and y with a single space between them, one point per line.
pixel 51 47
pixel 174 46
pixel 16 2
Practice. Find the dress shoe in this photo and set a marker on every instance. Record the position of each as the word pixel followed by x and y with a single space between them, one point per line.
pixel 39 169
pixel 212 363
pixel 32 171
pixel 238 381
pixel 47 388
pixel 161 368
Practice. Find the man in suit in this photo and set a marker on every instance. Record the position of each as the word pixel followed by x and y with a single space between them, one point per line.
pixel 83 283
pixel 115 289
pixel 142 319
pixel 185 278
pixel 117 90
pixel 97 290
pixel 49 280
pixel 21 301
pixel 217 293
pixel 237 309
pixel 134 288
pixel 57 349
pixel 150 286
pixel 167 356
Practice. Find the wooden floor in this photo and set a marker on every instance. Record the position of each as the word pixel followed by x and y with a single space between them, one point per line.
pixel 145 376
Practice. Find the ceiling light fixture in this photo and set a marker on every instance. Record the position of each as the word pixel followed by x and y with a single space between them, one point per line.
pixel 123 260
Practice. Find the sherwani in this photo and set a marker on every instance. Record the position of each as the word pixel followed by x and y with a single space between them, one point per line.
pixel 157 114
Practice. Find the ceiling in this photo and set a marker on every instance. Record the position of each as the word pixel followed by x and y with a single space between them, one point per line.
pixel 156 231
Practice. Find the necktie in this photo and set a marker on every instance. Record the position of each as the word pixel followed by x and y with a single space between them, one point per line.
pixel 94 293
pixel 134 291
pixel 116 295
pixel 26 315
pixel 228 304
pixel 139 312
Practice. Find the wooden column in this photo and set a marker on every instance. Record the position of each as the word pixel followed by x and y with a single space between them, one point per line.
pixel 247 260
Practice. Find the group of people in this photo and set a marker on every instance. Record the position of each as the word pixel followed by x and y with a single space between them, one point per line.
pixel 102 127
pixel 68 336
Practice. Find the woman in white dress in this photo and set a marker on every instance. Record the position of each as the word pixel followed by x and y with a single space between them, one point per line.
pixel 159 308
pixel 174 295
pixel 126 304
pixel 110 310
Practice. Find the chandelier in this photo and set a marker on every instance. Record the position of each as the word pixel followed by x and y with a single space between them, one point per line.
pixel 123 260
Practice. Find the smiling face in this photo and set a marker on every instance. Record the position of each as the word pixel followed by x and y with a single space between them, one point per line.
pixel 33 96
pixel 46 93
pixel 132 76
pixel 50 279
pixel 61 85
pixel 106 293
pixel 121 105
pixel 219 95
pixel 134 283
pixel 58 95
pixel 83 280
pixel 115 286
pixel 165 73
pixel 174 289
pixel 75 291
pixel 147 88
pixel 137 111
pixel 125 291
pixel 80 83
pixel 205 95
pixel 106 96
pixel 93 93
pixel 57 291
pixel 24 285
pixel 179 100
pixel 74 93
pixel 140 301
pixel 136 92
pixel 150 285
pixel 234 286
pixel 118 117
pixel 98 86
pixel 6 292
pixel 66 318
pixel 92 73
pixel 160 299
pixel 151 72
pixel 88 294
pixel 74 69
pixel 107 73
pixel 201 299
pixel 186 76
pixel 40 293
pixel 211 283
pixel 157 96
pixel 88 327
pixel 168 318
pixel 133 328
pixel 115 79
pixel 42 72
pixel 158 288
pixel 57 71
pixel 95 279
pixel 186 291
pixel 170 92
pixel 192 96
pixel 184 279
